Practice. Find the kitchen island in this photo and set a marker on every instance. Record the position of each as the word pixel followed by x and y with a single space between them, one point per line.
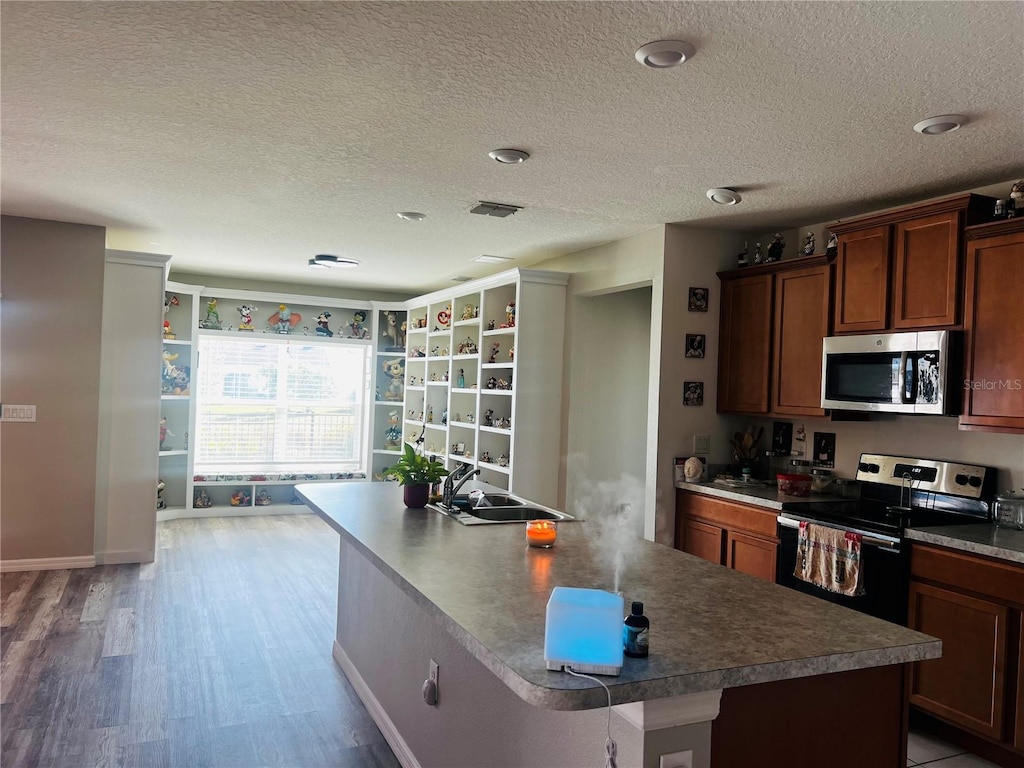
pixel 782 676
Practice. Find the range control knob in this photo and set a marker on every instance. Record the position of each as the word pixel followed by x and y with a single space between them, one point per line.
pixel 974 482
pixel 960 479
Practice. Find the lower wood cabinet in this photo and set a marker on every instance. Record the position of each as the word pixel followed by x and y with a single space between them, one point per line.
pixel 738 536
pixel 975 605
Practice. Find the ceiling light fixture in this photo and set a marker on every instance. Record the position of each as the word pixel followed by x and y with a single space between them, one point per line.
pixel 935 126
pixel 724 196
pixel 492 259
pixel 412 215
pixel 664 54
pixel 327 261
pixel 461 279
pixel 509 156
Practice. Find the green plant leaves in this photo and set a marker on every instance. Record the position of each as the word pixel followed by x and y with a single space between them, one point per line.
pixel 413 469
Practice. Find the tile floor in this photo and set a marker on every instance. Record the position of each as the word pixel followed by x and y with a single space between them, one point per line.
pixel 923 749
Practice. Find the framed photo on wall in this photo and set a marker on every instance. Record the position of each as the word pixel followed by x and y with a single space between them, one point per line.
pixel 695 345
pixel 693 393
pixel 698 300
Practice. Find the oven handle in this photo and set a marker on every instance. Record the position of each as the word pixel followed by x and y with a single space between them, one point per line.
pixel 886 544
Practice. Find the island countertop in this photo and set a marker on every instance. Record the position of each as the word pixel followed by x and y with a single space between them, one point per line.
pixel 711 627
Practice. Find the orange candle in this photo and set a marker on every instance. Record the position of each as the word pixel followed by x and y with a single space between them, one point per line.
pixel 540 533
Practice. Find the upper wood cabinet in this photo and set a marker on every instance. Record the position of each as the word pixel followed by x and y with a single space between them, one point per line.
pixel 802 315
pixel 745 344
pixel 994 326
pixel 903 269
pixel 862 281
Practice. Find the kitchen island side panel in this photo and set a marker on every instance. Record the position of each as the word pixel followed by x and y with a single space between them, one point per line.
pixel 478 720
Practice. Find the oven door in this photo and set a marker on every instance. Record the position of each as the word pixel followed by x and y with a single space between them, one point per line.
pixel 884 569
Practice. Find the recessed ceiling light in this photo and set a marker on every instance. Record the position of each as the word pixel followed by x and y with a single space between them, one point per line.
pixel 412 215
pixel 492 259
pixel 940 124
pixel 327 261
pixel 509 156
pixel 724 196
pixel 663 54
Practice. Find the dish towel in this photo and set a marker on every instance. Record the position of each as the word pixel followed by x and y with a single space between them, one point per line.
pixel 829 558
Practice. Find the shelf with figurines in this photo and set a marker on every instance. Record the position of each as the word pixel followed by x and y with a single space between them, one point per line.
pixel 496 466
pixel 285 318
pixel 470 311
pixel 497 386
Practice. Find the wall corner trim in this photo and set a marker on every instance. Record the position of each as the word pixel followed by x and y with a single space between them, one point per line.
pixel 47 563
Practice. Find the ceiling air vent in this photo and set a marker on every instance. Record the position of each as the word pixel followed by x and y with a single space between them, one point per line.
pixel 501 210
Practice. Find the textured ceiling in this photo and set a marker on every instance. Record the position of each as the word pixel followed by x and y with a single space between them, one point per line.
pixel 243 138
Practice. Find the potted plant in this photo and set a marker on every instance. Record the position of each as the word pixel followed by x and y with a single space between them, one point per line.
pixel 417 473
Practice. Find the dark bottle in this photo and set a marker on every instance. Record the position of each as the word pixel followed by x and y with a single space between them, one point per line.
pixel 635 632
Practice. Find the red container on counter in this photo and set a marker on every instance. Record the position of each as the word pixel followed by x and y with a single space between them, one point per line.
pixel 794 485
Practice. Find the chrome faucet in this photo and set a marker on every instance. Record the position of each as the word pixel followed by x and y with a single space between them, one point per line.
pixel 451 487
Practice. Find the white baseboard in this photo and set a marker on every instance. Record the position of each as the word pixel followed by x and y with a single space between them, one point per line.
pixel 376 710
pixel 47 563
pixel 125 556
pixel 180 513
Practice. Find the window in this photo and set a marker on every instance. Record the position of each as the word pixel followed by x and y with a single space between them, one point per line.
pixel 281 404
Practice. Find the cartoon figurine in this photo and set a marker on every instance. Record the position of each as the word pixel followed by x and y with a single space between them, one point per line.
pixel 430 415
pixel 240 498
pixel 492 383
pixel 494 353
pixel 395 371
pixel 164 432
pixel 775 248
pixel 201 499
pixel 1015 204
pixel 512 354
pixel 809 244
pixel 356 329
pixel 503 460
pixel 488 418
pixel 758 254
pixel 168 333
pixel 322 328
pixel 444 417
pixel 832 249
pixel 486 457
pixel 510 315
pixel 169 301
pixel 444 317
pixel 212 319
pixel 469 312
pixel 392 432
pixel 245 311
pixel 462 379
pixel 263 498
pixel 160 485
pixel 392 332
pixel 284 319
pixel 490 325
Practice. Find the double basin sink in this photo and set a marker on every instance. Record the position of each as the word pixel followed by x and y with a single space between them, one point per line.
pixel 494 508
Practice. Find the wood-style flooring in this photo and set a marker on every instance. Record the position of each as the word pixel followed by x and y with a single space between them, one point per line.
pixel 217 654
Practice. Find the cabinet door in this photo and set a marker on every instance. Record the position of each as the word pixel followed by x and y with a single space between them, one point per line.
pixel 994 322
pixel 745 345
pixel 1018 729
pixel 966 685
pixel 801 323
pixel 703 540
pixel 862 281
pixel 751 555
pixel 926 287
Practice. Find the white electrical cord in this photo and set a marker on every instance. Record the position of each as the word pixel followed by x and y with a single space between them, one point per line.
pixel 610 747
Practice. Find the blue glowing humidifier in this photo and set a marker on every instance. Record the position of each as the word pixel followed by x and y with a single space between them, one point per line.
pixel 584 631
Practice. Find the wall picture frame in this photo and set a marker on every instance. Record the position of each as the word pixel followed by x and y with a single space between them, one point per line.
pixel 697 299
pixel 695 345
pixel 693 393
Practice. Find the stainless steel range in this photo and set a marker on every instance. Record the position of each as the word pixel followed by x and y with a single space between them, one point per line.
pixel 897 492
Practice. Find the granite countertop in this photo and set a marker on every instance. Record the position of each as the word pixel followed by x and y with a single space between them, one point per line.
pixel 1001 543
pixel 766 496
pixel 711 627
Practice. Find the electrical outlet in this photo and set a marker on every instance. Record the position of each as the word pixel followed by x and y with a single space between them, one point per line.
pixel 702 444
pixel 17 412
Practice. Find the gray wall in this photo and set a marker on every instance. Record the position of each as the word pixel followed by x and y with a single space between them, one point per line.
pixel 50 327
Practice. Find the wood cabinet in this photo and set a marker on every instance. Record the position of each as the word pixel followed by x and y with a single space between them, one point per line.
pixel 802 319
pixel 975 605
pixel 994 327
pixel 965 685
pixel 745 344
pixel 738 536
pixel 902 269
pixel 774 317
pixel 862 281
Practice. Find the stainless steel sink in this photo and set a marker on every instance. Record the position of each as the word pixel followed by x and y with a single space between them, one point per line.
pixel 513 510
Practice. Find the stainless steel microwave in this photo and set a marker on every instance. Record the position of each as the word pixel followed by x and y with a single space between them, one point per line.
pixel 916 372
